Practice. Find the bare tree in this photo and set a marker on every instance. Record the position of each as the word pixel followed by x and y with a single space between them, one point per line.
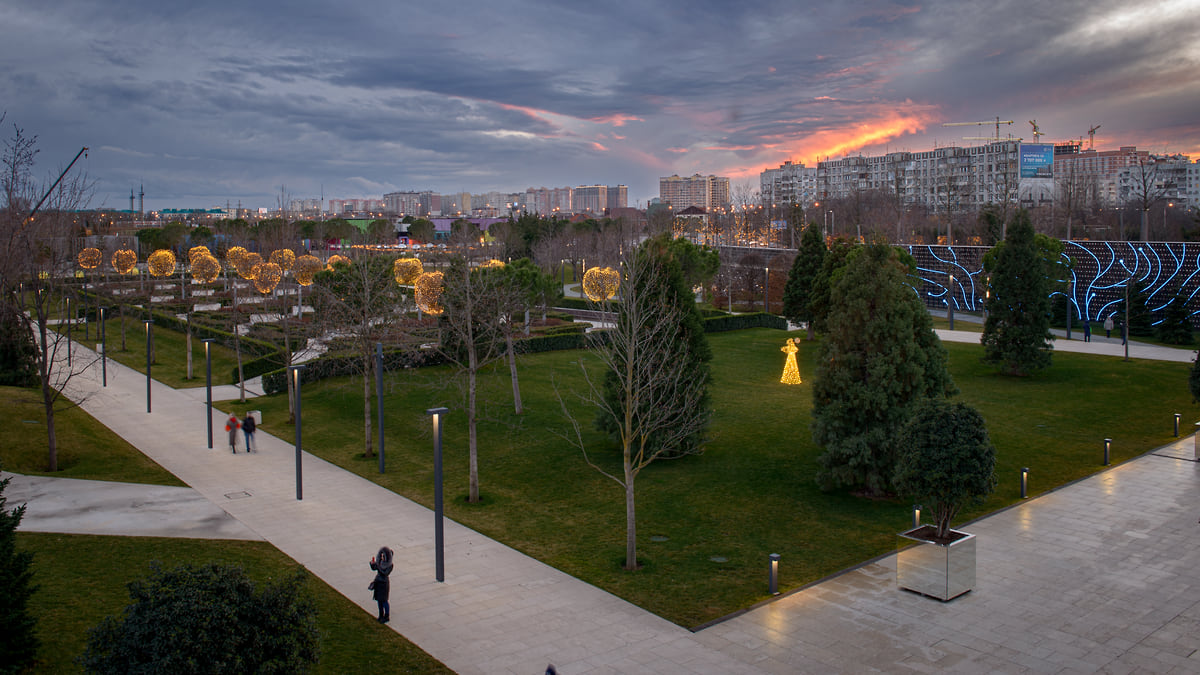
pixel 1144 189
pixel 661 399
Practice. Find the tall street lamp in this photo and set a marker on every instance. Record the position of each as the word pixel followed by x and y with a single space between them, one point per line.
pixel 294 373
pixel 103 351
pixel 149 336
pixel 208 384
pixel 439 543
pixel 950 303
pixel 379 397
pixel 766 290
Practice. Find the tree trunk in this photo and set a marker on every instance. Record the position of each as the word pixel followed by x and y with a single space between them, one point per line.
pixel 45 368
pixel 237 347
pixel 1145 225
pixel 123 327
pixel 473 365
pixel 630 518
pixel 512 369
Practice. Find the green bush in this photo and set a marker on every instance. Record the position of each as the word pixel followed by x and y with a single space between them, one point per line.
pixel 721 324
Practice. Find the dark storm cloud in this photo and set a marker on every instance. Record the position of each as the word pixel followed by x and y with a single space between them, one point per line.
pixel 230 100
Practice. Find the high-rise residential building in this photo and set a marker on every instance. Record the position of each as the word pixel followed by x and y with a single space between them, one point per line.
pixel 789 184
pixel 618 197
pixel 1096 174
pixel 590 199
pixel 403 204
pixel 706 192
pixel 548 201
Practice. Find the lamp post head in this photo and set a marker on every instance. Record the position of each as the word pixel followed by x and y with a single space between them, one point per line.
pixel 437 411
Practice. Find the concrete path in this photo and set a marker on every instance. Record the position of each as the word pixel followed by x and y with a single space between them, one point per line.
pixel 1096 576
pixel 102 507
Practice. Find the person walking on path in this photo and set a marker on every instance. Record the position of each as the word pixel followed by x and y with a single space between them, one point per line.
pixel 1108 326
pixel 382 564
pixel 231 425
pixel 248 427
pixel 1087 331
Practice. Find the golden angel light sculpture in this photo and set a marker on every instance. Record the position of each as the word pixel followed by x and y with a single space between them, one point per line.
pixel 161 263
pixel 124 260
pixel 205 268
pixel 429 293
pixel 306 268
pixel 90 258
pixel 266 277
pixel 406 270
pixel 283 257
pixel 601 283
pixel 791 372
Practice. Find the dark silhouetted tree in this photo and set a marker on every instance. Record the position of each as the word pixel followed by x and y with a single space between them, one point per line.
pixel 798 293
pixel 18 638
pixel 1016 335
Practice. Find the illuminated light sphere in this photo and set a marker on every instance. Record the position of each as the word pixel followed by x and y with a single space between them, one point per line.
pixel 124 260
pixel 791 372
pixel 305 268
pixel 335 259
pixel 266 277
pixel 283 257
pixel 601 283
pixel 90 258
pixel 161 263
pixel 406 270
pixel 197 251
pixel 234 254
pixel 492 263
pixel 429 292
pixel 246 263
pixel 205 269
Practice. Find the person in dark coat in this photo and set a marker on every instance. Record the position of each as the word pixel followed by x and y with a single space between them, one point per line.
pixel 248 427
pixel 382 564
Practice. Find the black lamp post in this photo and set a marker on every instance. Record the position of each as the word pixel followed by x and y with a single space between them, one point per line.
pixel 208 384
pixel 103 351
pixel 438 534
pixel 149 336
pixel 379 397
pixel 294 373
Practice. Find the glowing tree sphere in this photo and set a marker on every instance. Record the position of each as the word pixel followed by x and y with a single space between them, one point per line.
pixel 90 258
pixel 601 283
pixel 492 263
pixel 161 263
pixel 266 277
pixel 283 257
pixel 429 292
pixel 335 259
pixel 195 252
pixel 406 270
pixel 233 255
pixel 205 269
pixel 245 265
pixel 124 260
pixel 305 268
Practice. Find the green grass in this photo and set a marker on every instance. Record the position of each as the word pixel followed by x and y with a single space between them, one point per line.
pixel 170 349
pixel 750 494
pixel 83 578
pixel 86 448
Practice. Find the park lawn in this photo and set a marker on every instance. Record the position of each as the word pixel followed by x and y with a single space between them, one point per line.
pixel 86 448
pixel 84 578
pixel 170 349
pixel 750 494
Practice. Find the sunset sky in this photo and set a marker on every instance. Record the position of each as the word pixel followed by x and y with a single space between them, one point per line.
pixel 219 102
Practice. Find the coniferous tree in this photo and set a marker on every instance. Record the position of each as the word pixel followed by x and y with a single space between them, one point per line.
pixel 18 352
pixel 1016 335
pixel 1141 321
pixel 879 359
pixel 798 293
pixel 822 285
pixel 18 639
pixel 1176 327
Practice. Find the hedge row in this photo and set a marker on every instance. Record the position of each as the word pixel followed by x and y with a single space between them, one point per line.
pixel 721 324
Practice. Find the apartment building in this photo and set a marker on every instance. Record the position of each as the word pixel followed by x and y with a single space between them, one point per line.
pixel 706 192
pixel 789 184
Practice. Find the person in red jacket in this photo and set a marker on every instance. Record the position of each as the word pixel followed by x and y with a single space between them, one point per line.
pixel 232 425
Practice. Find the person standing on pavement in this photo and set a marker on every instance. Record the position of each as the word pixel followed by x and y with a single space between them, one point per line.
pixel 1108 326
pixel 231 425
pixel 248 428
pixel 382 564
pixel 1087 331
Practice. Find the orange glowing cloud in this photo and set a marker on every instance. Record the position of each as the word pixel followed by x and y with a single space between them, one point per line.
pixel 598 147
pixel 617 119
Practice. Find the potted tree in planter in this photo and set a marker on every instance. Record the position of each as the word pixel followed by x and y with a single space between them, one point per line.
pixel 944 460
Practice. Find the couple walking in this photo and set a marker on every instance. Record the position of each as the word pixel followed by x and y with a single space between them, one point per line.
pixel 248 427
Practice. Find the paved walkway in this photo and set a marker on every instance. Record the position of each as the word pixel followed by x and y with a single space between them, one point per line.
pixel 1094 576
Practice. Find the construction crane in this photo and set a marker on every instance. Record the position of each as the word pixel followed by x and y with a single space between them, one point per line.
pixel 996 122
pixel 1037 133
pixel 1092 137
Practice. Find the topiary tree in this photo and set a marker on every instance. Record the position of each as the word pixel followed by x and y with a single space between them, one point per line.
pixel 880 357
pixel 1016 335
pixel 209 619
pixel 945 459
pixel 798 293
pixel 18 640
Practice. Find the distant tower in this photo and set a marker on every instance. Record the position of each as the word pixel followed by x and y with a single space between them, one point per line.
pixel 141 201
pixel 131 200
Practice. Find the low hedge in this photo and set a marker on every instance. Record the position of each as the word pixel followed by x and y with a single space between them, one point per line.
pixel 343 365
pixel 721 324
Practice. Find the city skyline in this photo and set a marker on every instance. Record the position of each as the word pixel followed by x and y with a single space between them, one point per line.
pixel 244 102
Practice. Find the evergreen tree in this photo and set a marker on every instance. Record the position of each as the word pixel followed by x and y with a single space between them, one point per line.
pixel 798 293
pixel 822 284
pixel 18 352
pixel 18 640
pixel 1016 335
pixel 1141 321
pixel 1176 326
pixel 879 359
pixel 666 288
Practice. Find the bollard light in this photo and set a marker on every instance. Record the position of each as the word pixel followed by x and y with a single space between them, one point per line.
pixel 1024 482
pixel 294 373
pixel 1177 425
pixel 438 531
pixel 916 516
pixel 208 384
pixel 1107 448
pixel 773 582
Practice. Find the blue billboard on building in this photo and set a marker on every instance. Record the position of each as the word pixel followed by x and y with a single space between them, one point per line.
pixel 1037 160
